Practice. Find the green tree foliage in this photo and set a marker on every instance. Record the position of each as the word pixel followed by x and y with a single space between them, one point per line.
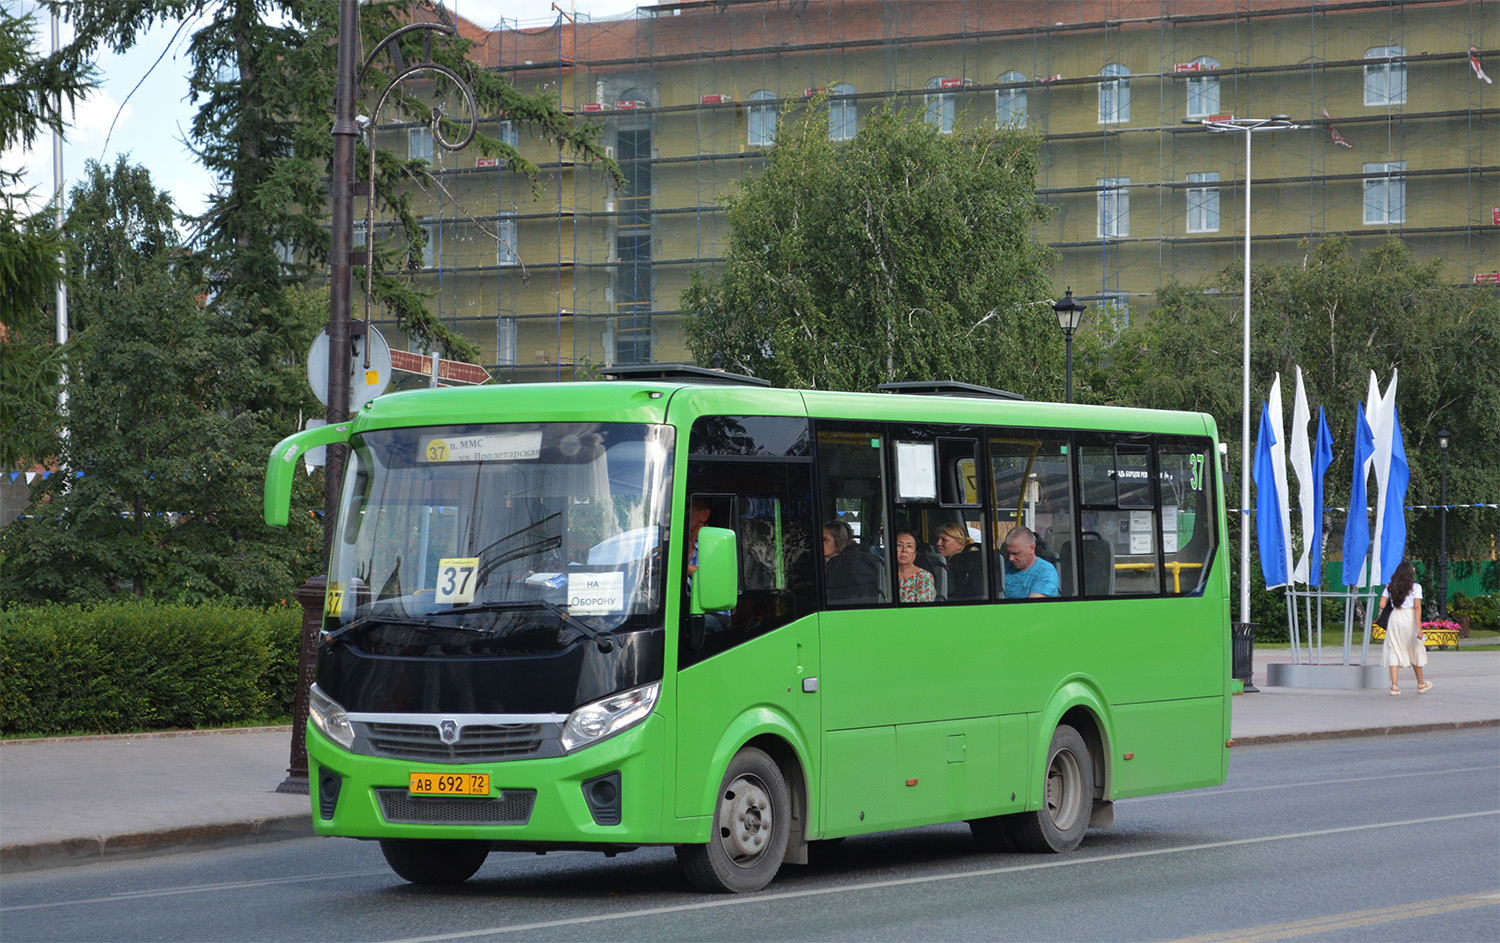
pixel 159 493
pixel 263 75
pixel 1338 315
pixel 903 254
pixel 37 94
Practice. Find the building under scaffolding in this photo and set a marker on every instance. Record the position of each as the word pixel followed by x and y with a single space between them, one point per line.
pixel 1401 136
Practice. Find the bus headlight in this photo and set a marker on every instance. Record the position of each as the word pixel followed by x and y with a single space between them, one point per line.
pixel 608 716
pixel 329 718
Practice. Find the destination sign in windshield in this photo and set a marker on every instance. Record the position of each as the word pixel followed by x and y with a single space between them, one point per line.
pixel 496 447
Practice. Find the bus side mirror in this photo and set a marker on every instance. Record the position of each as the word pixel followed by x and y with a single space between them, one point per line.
pixel 716 584
pixel 281 468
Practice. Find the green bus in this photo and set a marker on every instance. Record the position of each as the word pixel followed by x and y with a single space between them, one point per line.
pixel 678 607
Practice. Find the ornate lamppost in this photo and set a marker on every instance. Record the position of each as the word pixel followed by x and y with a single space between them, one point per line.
pixel 1069 315
pixel 1444 438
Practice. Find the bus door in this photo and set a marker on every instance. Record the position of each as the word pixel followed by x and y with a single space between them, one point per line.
pixel 746 665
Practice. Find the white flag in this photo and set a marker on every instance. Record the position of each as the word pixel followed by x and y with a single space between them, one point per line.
pixel 1301 457
pixel 1384 429
pixel 1278 468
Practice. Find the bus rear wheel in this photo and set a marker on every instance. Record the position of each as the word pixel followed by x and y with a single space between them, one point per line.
pixel 1068 798
pixel 434 860
pixel 752 823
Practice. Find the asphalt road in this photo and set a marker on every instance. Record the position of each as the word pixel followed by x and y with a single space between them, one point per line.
pixel 1382 838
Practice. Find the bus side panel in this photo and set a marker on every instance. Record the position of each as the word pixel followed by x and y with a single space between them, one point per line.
pixel 760 675
pixel 948 770
pixel 1176 745
pixel 863 795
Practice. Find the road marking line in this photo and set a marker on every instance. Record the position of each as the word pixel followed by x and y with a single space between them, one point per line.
pixel 1226 790
pixel 718 902
pixel 1349 921
pixel 194 889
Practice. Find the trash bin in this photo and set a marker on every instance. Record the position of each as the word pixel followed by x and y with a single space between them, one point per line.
pixel 1242 638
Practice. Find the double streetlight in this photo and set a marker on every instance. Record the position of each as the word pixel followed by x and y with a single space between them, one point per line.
pixel 1444 437
pixel 1222 124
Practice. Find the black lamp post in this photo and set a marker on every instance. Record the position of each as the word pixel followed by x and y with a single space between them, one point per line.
pixel 1443 439
pixel 1069 316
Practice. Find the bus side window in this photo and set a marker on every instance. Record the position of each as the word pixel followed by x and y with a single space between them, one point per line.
pixel 852 494
pixel 1033 488
pixel 1188 535
pixel 1119 518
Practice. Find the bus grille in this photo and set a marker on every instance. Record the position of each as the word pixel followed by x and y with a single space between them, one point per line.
pixel 512 807
pixel 480 743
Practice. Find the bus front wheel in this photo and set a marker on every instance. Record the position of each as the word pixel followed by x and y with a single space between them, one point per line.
pixel 752 823
pixel 434 860
pixel 1068 798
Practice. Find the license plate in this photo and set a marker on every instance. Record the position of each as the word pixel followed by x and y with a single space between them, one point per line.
pixel 449 784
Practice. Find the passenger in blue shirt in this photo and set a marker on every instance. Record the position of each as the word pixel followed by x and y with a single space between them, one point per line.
pixel 1027 576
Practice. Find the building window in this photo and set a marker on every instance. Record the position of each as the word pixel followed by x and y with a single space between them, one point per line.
pixel 1385 82
pixel 1010 103
pixel 1385 194
pixel 1203 203
pixel 507 133
pixel 419 143
pixel 429 244
pixel 843 114
pixel 1114 207
pixel 1114 95
pixel 940 107
pixel 506 249
pixel 505 342
pixel 760 121
pixel 358 239
pixel 1114 308
pixel 1203 90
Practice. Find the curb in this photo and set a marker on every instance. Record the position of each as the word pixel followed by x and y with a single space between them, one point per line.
pixel 1393 730
pixel 146 735
pixel 67 852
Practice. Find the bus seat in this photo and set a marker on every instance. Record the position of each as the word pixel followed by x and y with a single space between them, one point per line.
pixel 1098 565
pixel 1065 568
pixel 933 562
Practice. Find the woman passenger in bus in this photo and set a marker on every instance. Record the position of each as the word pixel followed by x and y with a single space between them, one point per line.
pixel 965 577
pixel 916 584
pixel 852 576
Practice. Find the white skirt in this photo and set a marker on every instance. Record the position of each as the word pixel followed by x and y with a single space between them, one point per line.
pixel 1402 647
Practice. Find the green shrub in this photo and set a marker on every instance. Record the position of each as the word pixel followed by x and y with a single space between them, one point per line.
pixel 128 666
pixel 1483 612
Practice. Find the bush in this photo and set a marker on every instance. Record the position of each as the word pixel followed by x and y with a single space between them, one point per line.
pixel 130 666
pixel 1483 612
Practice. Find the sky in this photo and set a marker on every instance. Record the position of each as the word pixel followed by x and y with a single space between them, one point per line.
pixel 141 108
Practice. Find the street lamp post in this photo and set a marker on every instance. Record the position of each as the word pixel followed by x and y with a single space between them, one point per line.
pixel 1069 316
pixel 1221 124
pixel 1443 439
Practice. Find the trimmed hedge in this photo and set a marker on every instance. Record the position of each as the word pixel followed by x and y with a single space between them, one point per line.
pixel 138 665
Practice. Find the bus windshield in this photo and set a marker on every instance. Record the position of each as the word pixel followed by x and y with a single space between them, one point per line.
pixel 481 527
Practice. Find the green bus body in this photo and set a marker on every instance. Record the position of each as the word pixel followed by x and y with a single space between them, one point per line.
pixel 879 716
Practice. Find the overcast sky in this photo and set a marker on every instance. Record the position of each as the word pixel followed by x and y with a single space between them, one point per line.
pixel 141 108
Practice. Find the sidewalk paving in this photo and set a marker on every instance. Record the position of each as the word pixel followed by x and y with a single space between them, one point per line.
pixel 85 799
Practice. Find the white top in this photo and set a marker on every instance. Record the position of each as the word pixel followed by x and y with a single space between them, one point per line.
pixel 1411 597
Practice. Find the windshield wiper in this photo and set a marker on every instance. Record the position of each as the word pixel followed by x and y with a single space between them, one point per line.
pixel 365 622
pixel 599 639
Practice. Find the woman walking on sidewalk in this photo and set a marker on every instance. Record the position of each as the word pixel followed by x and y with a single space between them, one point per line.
pixel 1403 631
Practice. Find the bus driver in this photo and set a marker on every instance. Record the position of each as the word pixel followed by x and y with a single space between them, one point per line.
pixel 1027 576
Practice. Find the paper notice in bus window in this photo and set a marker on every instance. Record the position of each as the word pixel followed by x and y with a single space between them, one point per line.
pixel 494 447
pixel 1169 542
pixel 1140 523
pixel 593 594
pixel 1140 543
pixel 1169 519
pixel 916 470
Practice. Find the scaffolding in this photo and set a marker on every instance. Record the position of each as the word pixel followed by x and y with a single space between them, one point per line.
pixel 683 93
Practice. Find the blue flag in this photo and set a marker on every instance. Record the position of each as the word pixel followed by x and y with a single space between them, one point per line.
pixel 1269 534
pixel 1322 458
pixel 1393 536
pixel 1357 531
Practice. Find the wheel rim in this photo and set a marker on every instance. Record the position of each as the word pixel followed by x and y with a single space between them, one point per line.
pixel 746 820
pixel 1064 790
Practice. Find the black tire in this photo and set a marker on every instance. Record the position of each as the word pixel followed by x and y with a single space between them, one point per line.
pixel 752 823
pixel 434 860
pixel 1068 798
